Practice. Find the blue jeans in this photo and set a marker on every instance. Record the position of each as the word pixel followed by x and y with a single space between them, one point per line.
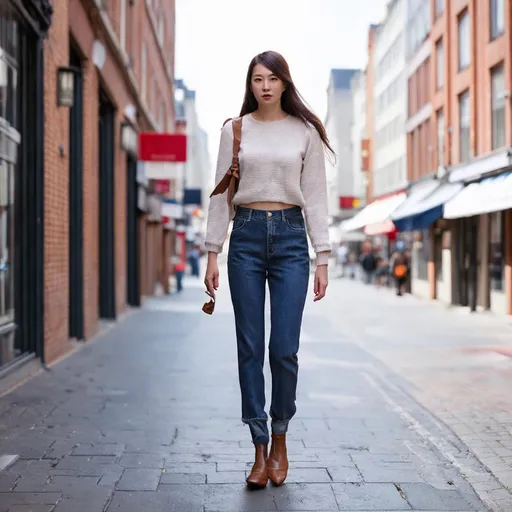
pixel 268 246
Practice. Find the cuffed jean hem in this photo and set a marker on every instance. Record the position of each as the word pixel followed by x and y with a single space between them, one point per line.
pixel 280 426
pixel 259 430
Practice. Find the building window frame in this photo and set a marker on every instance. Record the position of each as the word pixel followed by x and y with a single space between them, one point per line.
pixel 440 137
pixel 144 72
pixel 496 18
pixel 464 39
pixel 497 251
pixel 123 15
pixel 498 103
pixel 439 8
pixel 464 126
pixel 440 63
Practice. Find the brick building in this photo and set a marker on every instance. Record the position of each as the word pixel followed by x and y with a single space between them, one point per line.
pixel 459 156
pixel 104 247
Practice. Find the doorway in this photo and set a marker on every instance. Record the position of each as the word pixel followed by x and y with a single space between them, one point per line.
pixel 107 298
pixel 467 262
pixel 76 270
pixel 132 234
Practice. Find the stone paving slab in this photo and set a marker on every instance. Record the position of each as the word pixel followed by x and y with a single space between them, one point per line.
pixel 440 357
pixel 147 417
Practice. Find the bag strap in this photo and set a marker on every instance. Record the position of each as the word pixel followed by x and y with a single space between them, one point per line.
pixel 230 179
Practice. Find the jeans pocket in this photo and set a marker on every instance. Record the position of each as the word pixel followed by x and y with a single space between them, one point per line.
pixel 238 223
pixel 296 223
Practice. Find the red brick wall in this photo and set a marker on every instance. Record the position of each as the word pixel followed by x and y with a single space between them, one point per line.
pixel 485 54
pixel 74 21
pixel 56 190
pixel 420 161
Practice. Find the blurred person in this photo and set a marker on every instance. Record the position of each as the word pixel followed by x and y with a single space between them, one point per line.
pixel 368 263
pixel 352 264
pixel 193 259
pixel 399 264
pixel 381 272
pixel 341 257
pixel 282 180
pixel 179 272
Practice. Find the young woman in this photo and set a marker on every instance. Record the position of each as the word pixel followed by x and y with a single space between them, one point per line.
pixel 282 177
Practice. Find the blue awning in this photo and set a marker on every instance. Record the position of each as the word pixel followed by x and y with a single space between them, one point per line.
pixel 192 196
pixel 427 211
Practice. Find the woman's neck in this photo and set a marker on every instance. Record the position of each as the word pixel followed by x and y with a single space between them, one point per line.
pixel 269 113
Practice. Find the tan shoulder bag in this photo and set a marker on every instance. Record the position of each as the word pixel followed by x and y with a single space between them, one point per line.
pixel 230 183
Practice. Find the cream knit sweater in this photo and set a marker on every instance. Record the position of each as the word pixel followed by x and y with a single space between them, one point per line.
pixel 280 161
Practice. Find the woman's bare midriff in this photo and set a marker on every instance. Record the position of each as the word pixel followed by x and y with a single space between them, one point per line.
pixel 267 206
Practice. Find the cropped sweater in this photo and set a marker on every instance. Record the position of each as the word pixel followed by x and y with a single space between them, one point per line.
pixel 280 161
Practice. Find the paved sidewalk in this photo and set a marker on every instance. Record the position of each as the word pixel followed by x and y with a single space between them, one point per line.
pixel 438 351
pixel 147 417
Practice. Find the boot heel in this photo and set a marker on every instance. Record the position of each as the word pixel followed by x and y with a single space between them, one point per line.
pixel 258 477
pixel 278 460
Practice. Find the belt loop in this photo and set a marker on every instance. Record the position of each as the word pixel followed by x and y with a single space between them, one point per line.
pixel 250 214
pixel 283 216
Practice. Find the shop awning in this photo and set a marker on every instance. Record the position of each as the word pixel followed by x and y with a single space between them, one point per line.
pixel 427 210
pixel 489 195
pixel 416 194
pixel 375 216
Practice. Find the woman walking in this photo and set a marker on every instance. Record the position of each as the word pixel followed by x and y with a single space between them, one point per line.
pixel 281 180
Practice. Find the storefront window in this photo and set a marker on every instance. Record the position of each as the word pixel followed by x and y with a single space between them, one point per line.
pixel 496 251
pixel 421 254
pixel 9 142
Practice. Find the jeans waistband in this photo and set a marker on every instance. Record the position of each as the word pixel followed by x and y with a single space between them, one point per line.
pixel 252 213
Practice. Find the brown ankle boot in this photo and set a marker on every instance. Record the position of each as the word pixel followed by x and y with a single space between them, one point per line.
pixel 258 478
pixel 278 460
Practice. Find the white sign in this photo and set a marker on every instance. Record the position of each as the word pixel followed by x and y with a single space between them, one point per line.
pixel 164 170
pixel 172 210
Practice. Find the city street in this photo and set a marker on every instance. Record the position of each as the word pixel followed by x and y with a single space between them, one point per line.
pixel 393 409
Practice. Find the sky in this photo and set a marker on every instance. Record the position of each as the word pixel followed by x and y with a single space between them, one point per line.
pixel 216 40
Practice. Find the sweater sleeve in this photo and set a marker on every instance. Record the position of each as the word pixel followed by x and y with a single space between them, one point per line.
pixel 218 210
pixel 314 190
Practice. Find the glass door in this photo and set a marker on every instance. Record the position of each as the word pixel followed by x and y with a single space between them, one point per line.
pixel 9 142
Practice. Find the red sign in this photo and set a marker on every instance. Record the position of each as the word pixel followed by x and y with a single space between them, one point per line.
pixel 162 147
pixel 162 186
pixel 348 202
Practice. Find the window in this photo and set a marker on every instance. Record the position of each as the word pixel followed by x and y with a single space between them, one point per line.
pixel 439 8
pixel 498 106
pixel 10 38
pixel 464 40
pixel 496 250
pixel 440 64
pixel 144 72
pixel 464 125
pixel 440 137
pixel 122 26
pixel 422 254
pixel 161 30
pixel 497 17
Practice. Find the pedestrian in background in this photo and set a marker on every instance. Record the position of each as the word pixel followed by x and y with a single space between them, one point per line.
pixel 399 263
pixel 368 263
pixel 179 272
pixel 193 258
pixel 342 256
pixel 282 180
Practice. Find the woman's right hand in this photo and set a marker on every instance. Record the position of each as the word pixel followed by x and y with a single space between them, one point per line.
pixel 211 279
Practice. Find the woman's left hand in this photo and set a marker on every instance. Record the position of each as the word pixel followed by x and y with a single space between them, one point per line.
pixel 321 281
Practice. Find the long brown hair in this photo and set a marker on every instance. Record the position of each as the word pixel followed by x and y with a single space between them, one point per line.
pixel 291 100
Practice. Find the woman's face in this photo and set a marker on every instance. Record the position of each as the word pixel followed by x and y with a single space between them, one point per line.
pixel 266 87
